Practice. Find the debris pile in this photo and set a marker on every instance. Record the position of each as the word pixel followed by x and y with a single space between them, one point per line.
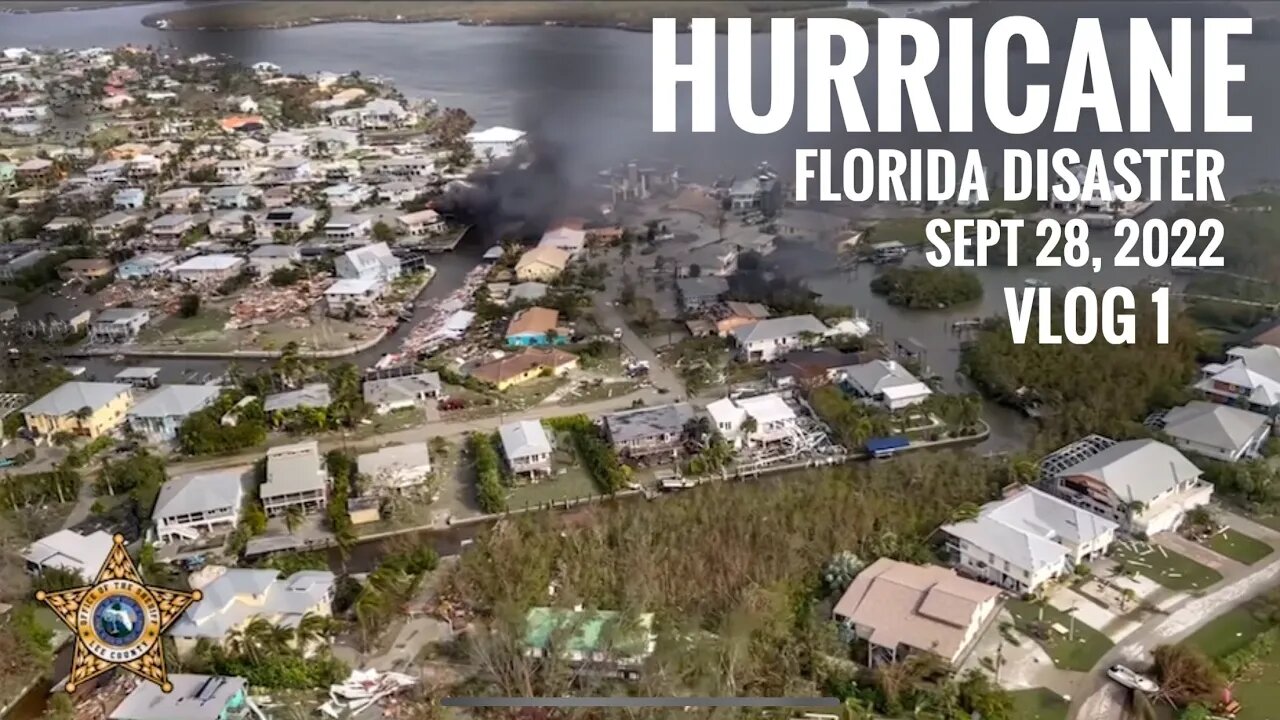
pixel 262 304
pixel 428 332
pixel 362 690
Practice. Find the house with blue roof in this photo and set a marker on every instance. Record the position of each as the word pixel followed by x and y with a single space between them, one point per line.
pixel 143 266
pixel 158 416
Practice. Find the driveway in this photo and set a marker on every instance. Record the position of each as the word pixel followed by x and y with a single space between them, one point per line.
pixel 1102 700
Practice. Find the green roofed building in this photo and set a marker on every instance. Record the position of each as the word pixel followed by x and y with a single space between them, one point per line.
pixel 603 639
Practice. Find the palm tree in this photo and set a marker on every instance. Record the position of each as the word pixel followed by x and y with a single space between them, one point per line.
pixel 964 512
pixel 83 415
pixel 293 518
pixel 312 628
pixel 749 426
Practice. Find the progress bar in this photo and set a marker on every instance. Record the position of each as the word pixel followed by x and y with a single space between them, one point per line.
pixel 630 702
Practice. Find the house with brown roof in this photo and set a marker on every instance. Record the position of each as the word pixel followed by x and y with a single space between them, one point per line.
pixel 899 608
pixel 731 315
pixel 536 326
pixel 521 367
pixel 85 269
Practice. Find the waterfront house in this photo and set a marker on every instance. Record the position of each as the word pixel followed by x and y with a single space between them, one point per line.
pixel 88 409
pixel 352 295
pixel 1027 539
pixel 495 142
pixel 333 142
pixel 158 416
pixel 523 366
pixel 526 292
pixel 772 417
pixel 402 392
pixel 118 326
pixel 141 267
pixel 373 262
pixel 378 114
pixel 900 609
pixel 536 326
pixel 395 468
pixel 1217 431
pixel 527 448
pixel 239 595
pixel 883 382
pixel 423 222
pixel 200 503
pixel 594 642
pixel 70 551
pixel 1143 485
pixel 543 264
pixel 207 269
pixel 191 697
pixel 236 170
pixel 767 340
pixel 649 431
pixel 295 478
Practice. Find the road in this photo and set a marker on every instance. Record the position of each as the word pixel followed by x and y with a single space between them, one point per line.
pixel 443 428
pixel 1103 700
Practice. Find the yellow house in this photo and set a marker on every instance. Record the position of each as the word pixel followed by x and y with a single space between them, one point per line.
pixel 541 264
pixel 82 408
pixel 524 366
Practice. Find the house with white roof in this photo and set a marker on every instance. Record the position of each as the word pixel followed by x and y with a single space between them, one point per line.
pixel 1250 378
pixel 295 478
pixel 348 227
pixel 769 339
pixel 69 550
pixel 266 259
pixel 1143 485
pixel 882 382
pixel 286 144
pixel 233 197
pixel 1221 432
pixel 200 503
pixel 347 195
pixel 527 448
pixel 423 222
pixel 568 239
pixel 396 468
pixel 1027 539
pixel 190 697
pixel 229 224
pixel 352 294
pixel 495 142
pixel 239 595
pixel 178 199
pixel 373 262
pixel 378 114
pixel 209 268
pixel 169 229
pixel 753 420
pixel 401 392
pixel 290 169
pixel 140 267
pixel 158 416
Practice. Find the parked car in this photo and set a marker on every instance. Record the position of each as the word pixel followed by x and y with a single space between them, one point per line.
pixel 1132 679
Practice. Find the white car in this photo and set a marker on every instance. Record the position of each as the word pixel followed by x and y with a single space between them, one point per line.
pixel 1132 680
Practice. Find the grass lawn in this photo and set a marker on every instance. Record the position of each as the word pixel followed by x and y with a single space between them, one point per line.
pixel 574 483
pixel 1259 693
pixel 208 320
pixel 1238 546
pixel 1038 704
pixel 1164 566
pixel 1080 654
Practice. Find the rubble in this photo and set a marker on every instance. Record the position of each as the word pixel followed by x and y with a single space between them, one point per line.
pixel 362 690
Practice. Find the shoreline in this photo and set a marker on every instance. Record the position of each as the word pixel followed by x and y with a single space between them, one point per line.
pixel 534 14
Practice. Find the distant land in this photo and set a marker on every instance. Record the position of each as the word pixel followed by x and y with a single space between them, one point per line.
pixel 619 14
pixel 44 6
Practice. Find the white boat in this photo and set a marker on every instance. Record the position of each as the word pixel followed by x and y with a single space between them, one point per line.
pixel 1033 282
pixel 1132 679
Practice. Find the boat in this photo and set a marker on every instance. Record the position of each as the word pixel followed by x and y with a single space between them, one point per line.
pixel 1034 282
